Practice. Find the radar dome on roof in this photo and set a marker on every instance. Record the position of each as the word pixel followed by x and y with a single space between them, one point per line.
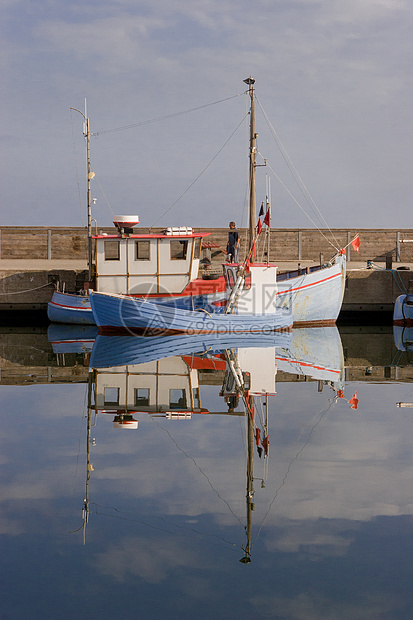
pixel 128 221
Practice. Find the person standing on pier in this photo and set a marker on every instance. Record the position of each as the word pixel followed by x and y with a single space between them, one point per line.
pixel 233 244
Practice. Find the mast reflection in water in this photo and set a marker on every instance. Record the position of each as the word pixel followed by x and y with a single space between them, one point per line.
pixel 273 454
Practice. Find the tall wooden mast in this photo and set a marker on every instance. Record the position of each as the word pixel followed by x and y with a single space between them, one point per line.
pixel 252 156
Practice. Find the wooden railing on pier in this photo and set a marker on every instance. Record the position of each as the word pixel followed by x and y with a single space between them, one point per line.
pixel 286 244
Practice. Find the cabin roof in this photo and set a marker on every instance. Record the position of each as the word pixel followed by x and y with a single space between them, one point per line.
pixel 151 236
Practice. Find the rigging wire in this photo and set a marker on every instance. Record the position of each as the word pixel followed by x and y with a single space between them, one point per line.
pixel 296 176
pixel 104 195
pixel 323 414
pixel 163 118
pixel 302 209
pixel 200 470
pixel 200 174
pixel 132 517
pixel 84 416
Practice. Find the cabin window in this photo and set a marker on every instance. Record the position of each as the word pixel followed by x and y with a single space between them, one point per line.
pixel 142 397
pixel 179 249
pixel 231 278
pixel 197 249
pixel 111 396
pixel 177 399
pixel 112 249
pixel 142 250
pixel 196 398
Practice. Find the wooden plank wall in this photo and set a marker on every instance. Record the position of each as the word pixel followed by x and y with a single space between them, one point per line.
pixel 41 242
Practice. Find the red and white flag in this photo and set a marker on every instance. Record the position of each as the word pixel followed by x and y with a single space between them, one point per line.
pixel 267 219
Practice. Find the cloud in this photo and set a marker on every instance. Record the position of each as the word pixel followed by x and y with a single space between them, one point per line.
pixel 315 606
pixel 333 77
pixel 150 560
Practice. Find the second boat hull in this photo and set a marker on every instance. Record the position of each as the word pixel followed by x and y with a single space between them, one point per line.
pixel 314 299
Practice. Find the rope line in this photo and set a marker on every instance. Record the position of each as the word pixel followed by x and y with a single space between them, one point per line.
pixel 191 458
pixel 297 178
pixel 27 290
pixel 163 118
pixel 397 280
pixel 323 414
pixel 200 174
pixel 302 209
pixel 104 195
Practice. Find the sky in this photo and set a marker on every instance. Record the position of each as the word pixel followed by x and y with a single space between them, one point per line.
pixel 167 106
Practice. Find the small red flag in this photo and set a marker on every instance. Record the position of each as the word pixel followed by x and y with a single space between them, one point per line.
pixel 259 227
pixel 267 218
pixel 356 243
pixel 353 401
pixel 265 444
pixel 257 436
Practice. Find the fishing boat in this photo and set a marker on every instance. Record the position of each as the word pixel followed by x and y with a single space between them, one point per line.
pixel 255 312
pixel 133 265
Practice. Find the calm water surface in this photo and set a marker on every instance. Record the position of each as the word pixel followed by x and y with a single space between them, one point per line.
pixel 102 521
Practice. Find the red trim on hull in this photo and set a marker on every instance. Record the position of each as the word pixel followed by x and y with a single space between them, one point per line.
pixel 208 363
pixel 305 364
pixel 318 323
pixel 300 288
pixel 53 303
pixel 140 331
pixel 403 322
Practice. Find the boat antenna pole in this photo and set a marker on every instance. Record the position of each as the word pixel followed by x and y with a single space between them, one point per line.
pixel 253 150
pixel 89 199
pixel 90 175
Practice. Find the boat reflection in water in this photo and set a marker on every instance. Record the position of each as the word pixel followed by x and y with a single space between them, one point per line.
pixel 159 376
pixel 403 338
pixel 316 353
pixel 72 338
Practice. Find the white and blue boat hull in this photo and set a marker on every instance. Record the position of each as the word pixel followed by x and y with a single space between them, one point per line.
pixel 122 313
pixel 114 351
pixel 73 309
